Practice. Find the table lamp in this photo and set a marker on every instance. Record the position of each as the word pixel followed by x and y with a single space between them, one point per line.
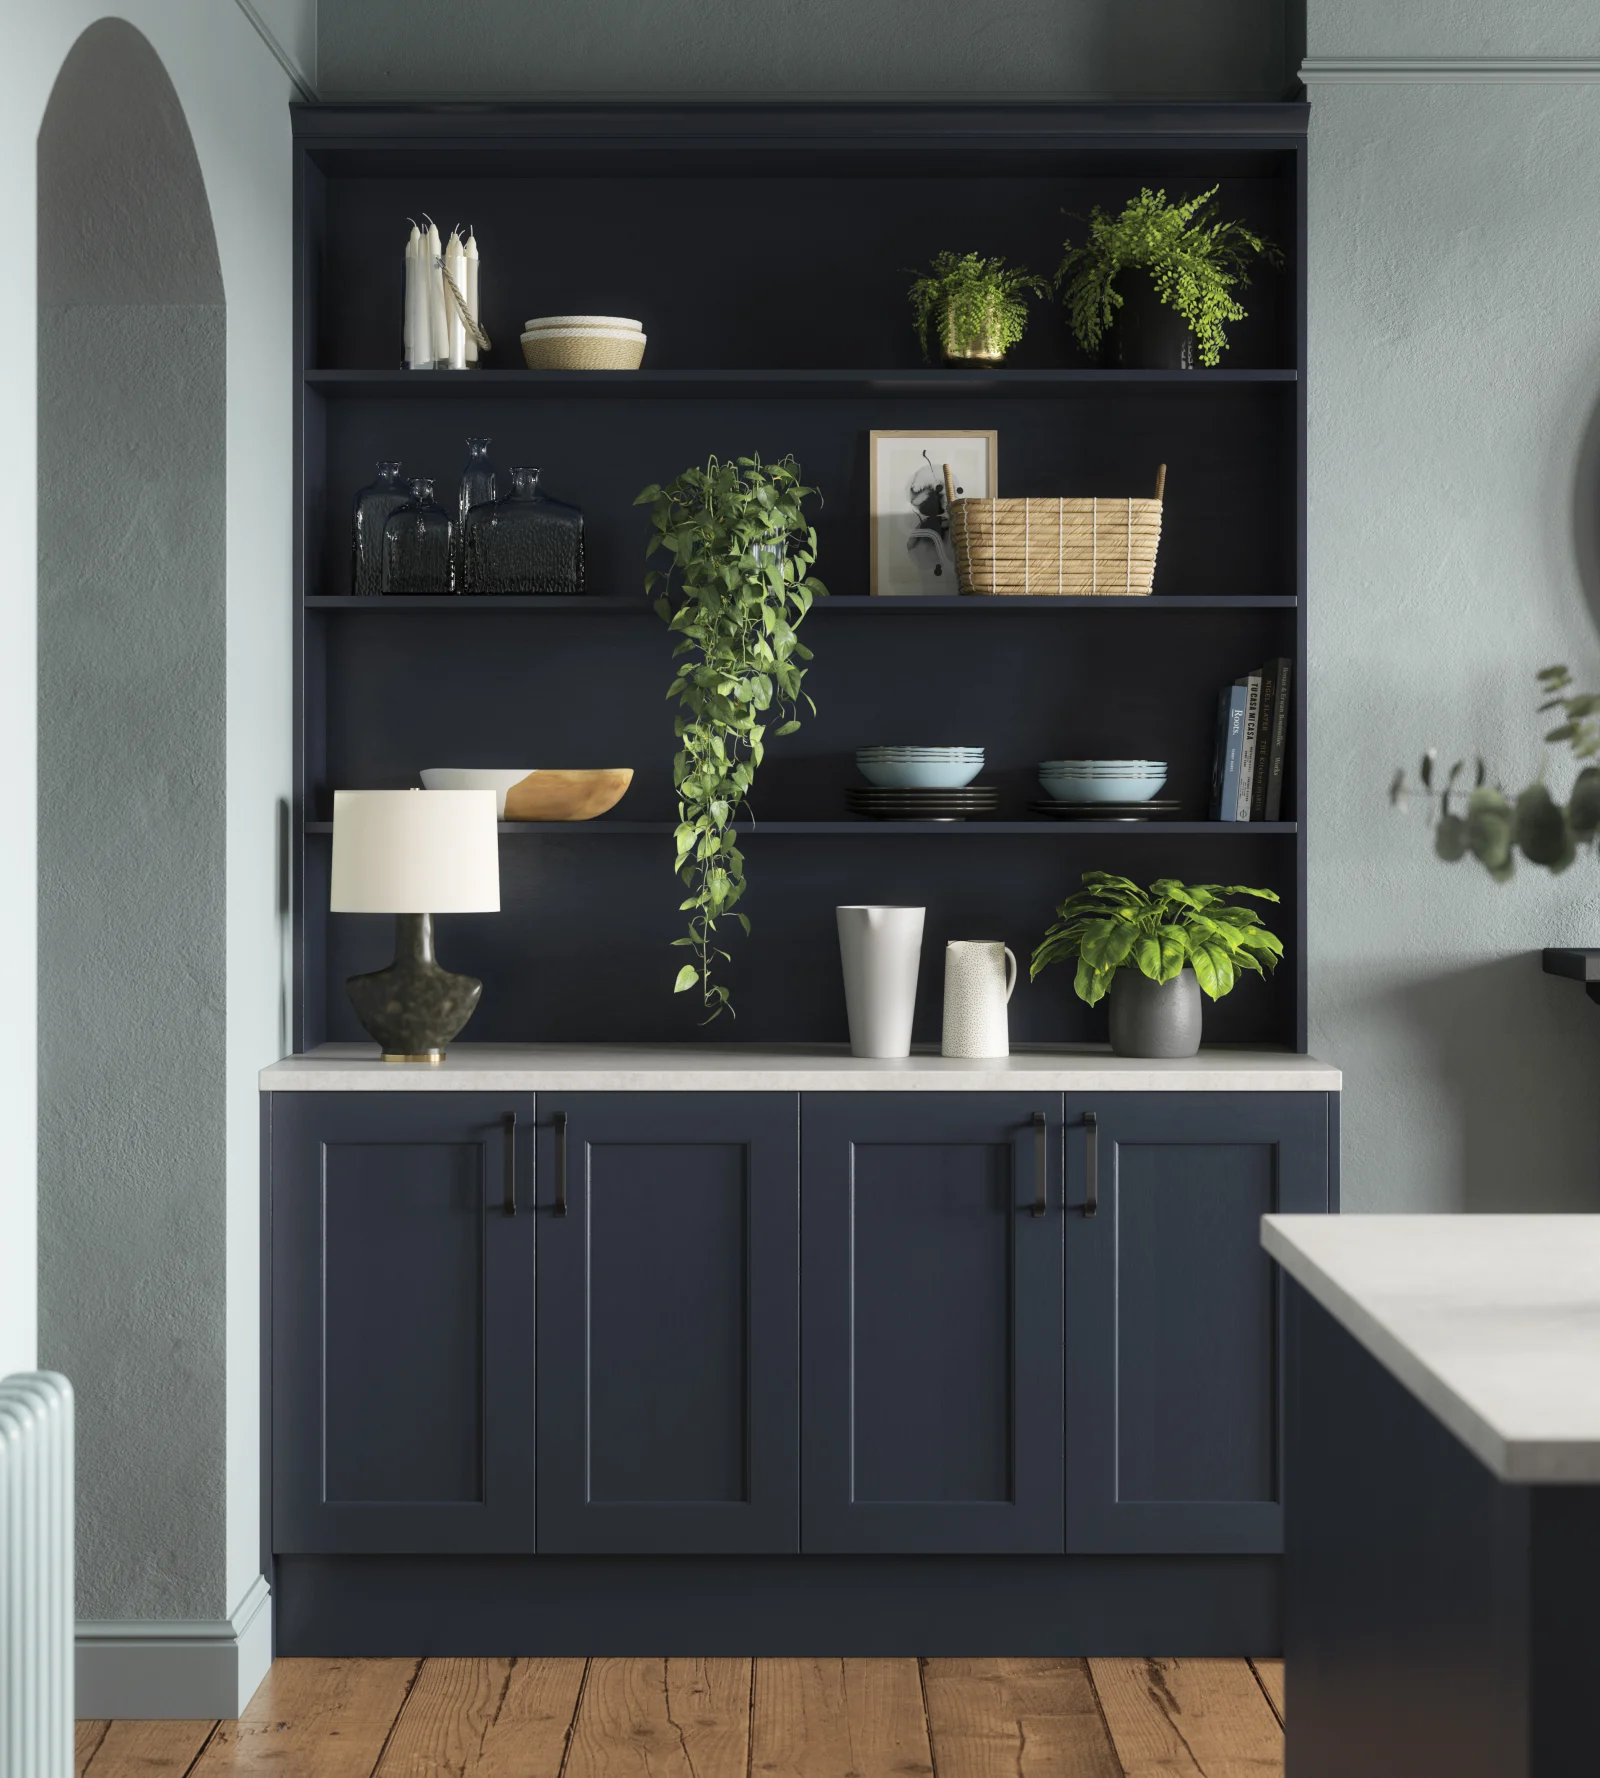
pixel 414 854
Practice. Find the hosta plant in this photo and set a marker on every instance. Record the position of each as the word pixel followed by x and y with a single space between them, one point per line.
pixel 1473 816
pixel 734 590
pixel 1196 262
pixel 974 307
pixel 1111 924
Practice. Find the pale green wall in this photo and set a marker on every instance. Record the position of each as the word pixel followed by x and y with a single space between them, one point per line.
pixel 151 1248
pixel 1455 497
pixel 721 49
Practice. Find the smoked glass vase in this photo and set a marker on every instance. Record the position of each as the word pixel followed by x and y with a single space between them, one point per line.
pixel 373 505
pixel 526 542
pixel 480 483
pixel 419 546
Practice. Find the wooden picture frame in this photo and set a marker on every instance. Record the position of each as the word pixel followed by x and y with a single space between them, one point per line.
pixel 908 556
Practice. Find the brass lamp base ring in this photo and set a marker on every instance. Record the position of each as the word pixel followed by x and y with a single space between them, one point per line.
pixel 433 1056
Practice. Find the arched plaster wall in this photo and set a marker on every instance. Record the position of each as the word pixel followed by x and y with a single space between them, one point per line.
pixel 234 96
pixel 132 376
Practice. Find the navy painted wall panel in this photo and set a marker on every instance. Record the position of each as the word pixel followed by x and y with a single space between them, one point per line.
pixel 402 1323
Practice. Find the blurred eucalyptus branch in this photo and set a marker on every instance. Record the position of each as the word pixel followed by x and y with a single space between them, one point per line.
pixel 1483 820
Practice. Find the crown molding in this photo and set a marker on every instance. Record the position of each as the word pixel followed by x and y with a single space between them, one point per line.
pixel 1422 70
pixel 304 84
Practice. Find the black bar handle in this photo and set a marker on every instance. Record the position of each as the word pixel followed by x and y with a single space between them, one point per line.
pixel 561 1164
pixel 1091 1157
pixel 1041 1163
pixel 509 1206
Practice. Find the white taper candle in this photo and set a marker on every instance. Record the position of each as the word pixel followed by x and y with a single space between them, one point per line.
pixel 455 260
pixel 438 325
pixel 471 288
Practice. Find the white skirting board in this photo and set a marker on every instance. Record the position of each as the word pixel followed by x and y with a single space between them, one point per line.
pixel 187 1671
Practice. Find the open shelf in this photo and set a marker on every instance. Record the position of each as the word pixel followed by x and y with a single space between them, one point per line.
pixel 699 385
pixel 835 602
pixel 916 829
pixel 589 914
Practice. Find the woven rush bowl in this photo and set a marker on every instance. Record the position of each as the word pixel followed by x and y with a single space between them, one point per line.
pixel 583 348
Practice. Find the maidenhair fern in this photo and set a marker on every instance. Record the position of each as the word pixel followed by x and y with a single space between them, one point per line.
pixel 1195 262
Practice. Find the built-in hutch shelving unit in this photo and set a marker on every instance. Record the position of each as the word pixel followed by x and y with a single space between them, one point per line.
pixel 767 251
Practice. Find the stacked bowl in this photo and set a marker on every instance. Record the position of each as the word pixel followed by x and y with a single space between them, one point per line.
pixel 1108 785
pixel 582 342
pixel 919 768
pixel 921 784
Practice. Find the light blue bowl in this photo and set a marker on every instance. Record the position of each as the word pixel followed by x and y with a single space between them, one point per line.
pixel 1130 789
pixel 926 774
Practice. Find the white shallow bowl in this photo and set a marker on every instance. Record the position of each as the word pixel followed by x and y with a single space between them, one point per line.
pixel 1102 790
pixel 1102 765
pixel 543 321
pixel 919 774
pixel 499 779
pixel 919 753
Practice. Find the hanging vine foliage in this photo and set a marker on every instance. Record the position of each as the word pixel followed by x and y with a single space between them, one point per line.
pixel 734 590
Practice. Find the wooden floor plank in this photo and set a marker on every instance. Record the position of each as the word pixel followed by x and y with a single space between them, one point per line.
pixel 485 1719
pixel 662 1719
pixel 311 1719
pixel 828 1718
pixel 1188 1719
pixel 1015 1718
pixel 139 1749
pixel 87 1735
pixel 1270 1673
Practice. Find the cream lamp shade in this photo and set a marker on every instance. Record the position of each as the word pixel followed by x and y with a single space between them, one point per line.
pixel 415 852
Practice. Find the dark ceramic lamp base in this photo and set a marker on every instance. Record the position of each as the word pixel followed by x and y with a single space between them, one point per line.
pixel 413 1008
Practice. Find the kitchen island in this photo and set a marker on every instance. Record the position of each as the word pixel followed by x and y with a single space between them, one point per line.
pixel 1442 1481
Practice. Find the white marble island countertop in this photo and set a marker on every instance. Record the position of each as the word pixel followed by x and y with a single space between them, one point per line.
pixel 785 1068
pixel 1492 1322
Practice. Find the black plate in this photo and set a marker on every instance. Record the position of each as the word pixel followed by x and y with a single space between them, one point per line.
pixel 1157 809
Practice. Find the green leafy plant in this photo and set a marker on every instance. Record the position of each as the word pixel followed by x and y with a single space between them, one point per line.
pixel 1195 262
pixel 1481 819
pixel 974 306
pixel 1111 924
pixel 734 591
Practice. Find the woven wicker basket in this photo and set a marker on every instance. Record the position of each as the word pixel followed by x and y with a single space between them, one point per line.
pixel 1055 547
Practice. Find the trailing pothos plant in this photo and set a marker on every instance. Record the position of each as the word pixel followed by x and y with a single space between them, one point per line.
pixel 1111 924
pixel 1473 815
pixel 974 306
pixel 1195 262
pixel 734 590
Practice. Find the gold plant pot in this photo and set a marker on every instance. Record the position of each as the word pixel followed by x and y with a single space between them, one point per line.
pixel 978 349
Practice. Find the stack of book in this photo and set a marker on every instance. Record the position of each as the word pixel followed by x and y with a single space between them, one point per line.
pixel 1252 735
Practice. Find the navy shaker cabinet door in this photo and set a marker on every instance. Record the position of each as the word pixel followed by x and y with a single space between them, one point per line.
pixel 668 1361
pixel 1173 1315
pixel 402 1322
pixel 931 1323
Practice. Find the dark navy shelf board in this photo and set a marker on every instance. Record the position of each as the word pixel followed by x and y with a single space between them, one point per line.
pixel 835 602
pixel 695 385
pixel 915 829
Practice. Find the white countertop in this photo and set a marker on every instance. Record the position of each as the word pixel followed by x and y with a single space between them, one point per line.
pixel 1492 1322
pixel 784 1068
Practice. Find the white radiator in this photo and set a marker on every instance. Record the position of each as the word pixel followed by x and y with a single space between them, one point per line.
pixel 36 1591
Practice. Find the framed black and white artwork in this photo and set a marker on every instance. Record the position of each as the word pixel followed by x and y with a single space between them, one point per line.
pixel 910 527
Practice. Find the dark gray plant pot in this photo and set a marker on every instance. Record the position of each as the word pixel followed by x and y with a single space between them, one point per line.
pixel 1154 1018
pixel 1146 334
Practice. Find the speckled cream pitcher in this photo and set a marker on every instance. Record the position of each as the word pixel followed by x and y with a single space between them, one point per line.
pixel 980 976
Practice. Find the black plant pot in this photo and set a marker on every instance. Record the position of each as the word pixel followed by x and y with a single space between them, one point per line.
pixel 1146 334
